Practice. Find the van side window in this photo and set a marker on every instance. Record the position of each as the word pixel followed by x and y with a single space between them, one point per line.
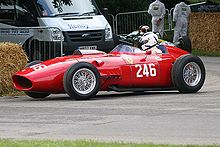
pixel 18 14
pixel 28 16
pixel 7 13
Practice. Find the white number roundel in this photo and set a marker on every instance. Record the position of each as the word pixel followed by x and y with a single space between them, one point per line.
pixel 146 70
pixel 38 67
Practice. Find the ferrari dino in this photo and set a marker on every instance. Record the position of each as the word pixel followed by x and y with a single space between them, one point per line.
pixel 126 68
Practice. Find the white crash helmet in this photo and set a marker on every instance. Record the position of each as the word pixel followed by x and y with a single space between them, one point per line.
pixel 144 29
pixel 148 40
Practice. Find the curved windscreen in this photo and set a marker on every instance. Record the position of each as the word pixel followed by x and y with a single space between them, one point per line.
pixel 86 52
pixel 123 48
pixel 65 8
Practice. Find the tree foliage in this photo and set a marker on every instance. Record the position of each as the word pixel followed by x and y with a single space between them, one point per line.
pixel 56 3
pixel 66 2
pixel 5 2
pixel 59 4
pixel 119 6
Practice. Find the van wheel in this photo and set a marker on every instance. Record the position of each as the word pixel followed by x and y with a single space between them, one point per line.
pixel 81 81
pixel 188 74
pixel 36 95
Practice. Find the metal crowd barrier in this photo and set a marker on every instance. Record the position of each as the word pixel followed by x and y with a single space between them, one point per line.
pixel 130 21
pixel 125 23
pixel 111 21
pixel 39 43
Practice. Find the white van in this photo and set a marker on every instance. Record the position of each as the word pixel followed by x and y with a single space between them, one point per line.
pixel 81 23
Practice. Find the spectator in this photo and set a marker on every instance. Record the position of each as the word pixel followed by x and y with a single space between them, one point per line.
pixel 180 17
pixel 157 11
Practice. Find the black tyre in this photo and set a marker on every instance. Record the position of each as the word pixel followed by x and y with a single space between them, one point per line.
pixel 36 95
pixel 81 81
pixel 188 74
pixel 185 44
pixel 33 63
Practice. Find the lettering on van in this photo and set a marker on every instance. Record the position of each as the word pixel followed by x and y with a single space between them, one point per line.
pixel 4 31
pixel 78 26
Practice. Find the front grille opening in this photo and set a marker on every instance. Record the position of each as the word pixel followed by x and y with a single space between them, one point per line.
pixel 84 36
pixel 22 82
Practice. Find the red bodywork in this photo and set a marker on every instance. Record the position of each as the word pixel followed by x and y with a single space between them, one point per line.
pixel 129 70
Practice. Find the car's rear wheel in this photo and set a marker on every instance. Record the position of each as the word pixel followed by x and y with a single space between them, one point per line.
pixel 81 81
pixel 185 44
pixel 188 74
pixel 36 95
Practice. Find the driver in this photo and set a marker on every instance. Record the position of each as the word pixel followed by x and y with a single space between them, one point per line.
pixel 143 29
pixel 150 42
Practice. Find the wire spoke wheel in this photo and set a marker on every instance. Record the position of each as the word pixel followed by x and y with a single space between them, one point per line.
pixel 81 81
pixel 84 81
pixel 191 74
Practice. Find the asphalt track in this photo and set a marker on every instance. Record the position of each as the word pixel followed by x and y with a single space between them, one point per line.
pixel 152 117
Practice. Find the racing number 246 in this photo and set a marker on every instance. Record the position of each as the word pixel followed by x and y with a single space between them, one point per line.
pixel 147 70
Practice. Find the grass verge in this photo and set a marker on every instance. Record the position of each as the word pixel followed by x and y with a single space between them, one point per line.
pixel 206 53
pixel 83 143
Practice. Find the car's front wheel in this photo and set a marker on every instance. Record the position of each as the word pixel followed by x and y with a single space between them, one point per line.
pixel 81 81
pixel 37 95
pixel 188 74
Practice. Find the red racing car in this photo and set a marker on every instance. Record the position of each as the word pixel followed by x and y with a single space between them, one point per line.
pixel 125 68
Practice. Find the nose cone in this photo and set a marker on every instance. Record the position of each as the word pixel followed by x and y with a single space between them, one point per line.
pixel 21 83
